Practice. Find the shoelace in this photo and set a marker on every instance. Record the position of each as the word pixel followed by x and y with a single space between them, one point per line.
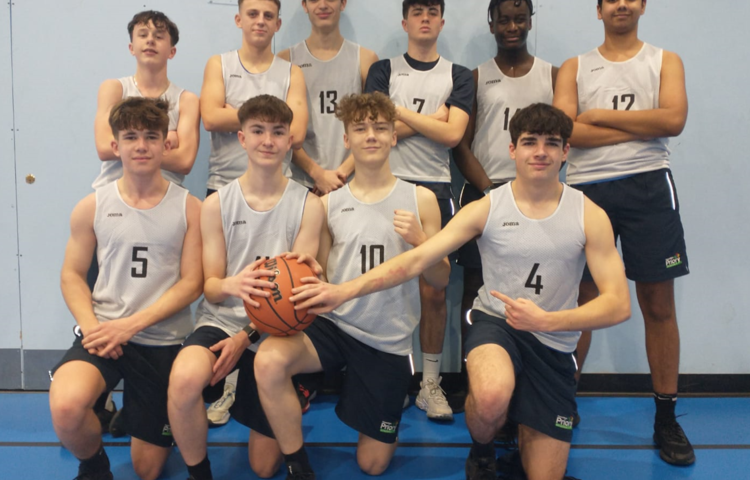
pixel 435 392
pixel 673 430
pixel 224 399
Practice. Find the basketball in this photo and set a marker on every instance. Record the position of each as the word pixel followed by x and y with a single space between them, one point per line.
pixel 276 314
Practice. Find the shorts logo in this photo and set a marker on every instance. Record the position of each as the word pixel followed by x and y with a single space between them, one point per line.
pixel 166 431
pixel 388 427
pixel 564 422
pixel 674 261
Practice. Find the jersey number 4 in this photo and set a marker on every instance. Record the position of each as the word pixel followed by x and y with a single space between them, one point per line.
pixel 535 283
pixel 134 272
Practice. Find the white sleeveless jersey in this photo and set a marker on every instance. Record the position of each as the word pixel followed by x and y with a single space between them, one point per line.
pixel 249 235
pixel 363 238
pixel 112 169
pixel 539 260
pixel 139 254
pixel 418 158
pixel 499 97
pixel 327 83
pixel 228 160
pixel 630 85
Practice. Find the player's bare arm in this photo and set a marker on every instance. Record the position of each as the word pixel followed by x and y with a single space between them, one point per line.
pixel 184 141
pixel 466 162
pixel 448 133
pixel 326 181
pixel 366 59
pixel 297 101
pixel 666 121
pixel 108 335
pixel 110 92
pixel 308 238
pixel 216 114
pixel 468 223
pixel 611 307
pixel 217 287
pixel 415 234
pixel 566 99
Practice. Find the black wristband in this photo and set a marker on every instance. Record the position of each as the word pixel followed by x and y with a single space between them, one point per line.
pixel 252 334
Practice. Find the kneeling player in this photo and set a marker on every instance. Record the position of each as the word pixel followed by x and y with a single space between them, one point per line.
pixel 241 227
pixel 373 218
pixel 145 230
pixel 535 233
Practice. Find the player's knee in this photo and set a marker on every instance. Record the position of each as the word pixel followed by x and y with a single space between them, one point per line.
pixel 373 464
pixel 68 410
pixel 490 404
pixel 147 469
pixel 265 468
pixel 271 365
pixel 184 385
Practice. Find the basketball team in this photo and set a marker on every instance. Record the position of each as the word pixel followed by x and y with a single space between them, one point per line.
pixel 340 161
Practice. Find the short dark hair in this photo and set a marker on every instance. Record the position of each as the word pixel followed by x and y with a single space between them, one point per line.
pixel 426 3
pixel 140 113
pixel 355 108
pixel 266 108
pixel 159 20
pixel 599 2
pixel 540 119
pixel 277 2
pixel 495 7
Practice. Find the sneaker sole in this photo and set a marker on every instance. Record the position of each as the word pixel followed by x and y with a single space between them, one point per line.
pixel 422 405
pixel 678 462
pixel 222 421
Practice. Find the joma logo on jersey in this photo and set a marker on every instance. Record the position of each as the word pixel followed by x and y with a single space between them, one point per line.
pixel 674 261
pixel 492 82
pixel 234 75
pixel 239 222
pixel 306 65
pixel 564 422
pixel 388 427
pixel 596 69
pixel 114 214
pixel 402 75
pixel 350 209
pixel 510 224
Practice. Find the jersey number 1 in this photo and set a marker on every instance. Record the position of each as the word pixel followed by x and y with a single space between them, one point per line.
pixel 143 261
pixel 537 285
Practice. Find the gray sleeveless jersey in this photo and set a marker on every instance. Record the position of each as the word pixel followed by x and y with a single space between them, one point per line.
pixel 139 254
pixel 363 238
pixel 248 235
pixel 327 83
pixel 630 85
pixel 499 98
pixel 540 260
pixel 228 160
pixel 112 169
pixel 418 158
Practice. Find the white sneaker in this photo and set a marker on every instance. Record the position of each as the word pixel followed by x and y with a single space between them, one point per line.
pixel 432 400
pixel 218 412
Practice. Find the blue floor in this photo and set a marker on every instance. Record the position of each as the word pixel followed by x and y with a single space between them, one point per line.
pixel 612 442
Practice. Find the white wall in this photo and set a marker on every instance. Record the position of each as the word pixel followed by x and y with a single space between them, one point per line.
pixel 63 50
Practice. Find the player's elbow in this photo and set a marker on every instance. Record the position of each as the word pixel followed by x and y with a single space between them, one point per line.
pixel 621 311
pixel 454 138
pixel 439 275
pixel 185 165
pixel 675 126
pixel 209 124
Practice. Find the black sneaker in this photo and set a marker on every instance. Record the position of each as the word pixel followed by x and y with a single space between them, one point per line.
pixel 295 472
pixel 106 413
pixel 482 468
pixel 507 436
pixel 116 428
pixel 305 396
pixel 83 474
pixel 674 447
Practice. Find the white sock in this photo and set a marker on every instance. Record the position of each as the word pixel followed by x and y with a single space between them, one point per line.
pixel 431 365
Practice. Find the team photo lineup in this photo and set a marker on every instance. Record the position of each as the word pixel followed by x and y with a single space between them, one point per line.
pixel 329 230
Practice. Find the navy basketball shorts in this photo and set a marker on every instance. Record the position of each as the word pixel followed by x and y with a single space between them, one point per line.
pixel 645 215
pixel 468 254
pixel 246 408
pixel 375 384
pixel 145 372
pixel 545 395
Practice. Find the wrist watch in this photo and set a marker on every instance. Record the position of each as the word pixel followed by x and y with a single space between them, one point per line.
pixel 252 334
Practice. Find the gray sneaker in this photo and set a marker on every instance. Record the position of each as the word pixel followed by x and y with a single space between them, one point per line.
pixel 432 400
pixel 218 412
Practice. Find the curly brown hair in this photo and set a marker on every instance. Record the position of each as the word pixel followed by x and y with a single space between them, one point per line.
pixel 139 113
pixel 355 108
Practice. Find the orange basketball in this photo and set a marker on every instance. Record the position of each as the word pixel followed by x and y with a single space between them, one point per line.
pixel 276 314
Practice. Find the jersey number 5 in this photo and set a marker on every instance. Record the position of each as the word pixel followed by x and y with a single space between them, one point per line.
pixel 536 285
pixel 142 260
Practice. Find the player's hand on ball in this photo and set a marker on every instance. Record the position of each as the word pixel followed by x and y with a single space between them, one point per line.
pixel 306 259
pixel 523 314
pixel 406 224
pixel 318 296
pixel 231 350
pixel 247 284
